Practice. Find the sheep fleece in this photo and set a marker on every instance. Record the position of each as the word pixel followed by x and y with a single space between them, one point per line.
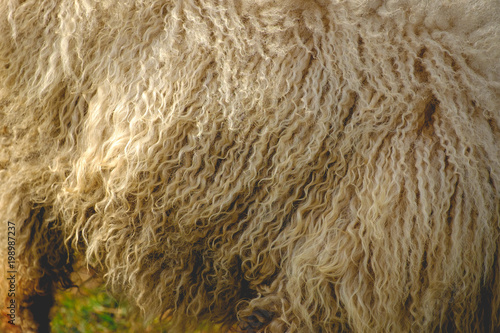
pixel 275 166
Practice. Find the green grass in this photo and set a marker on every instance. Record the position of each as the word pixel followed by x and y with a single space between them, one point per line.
pixel 93 310
pixel 89 309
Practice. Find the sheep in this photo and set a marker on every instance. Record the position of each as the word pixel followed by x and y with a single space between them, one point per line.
pixel 272 166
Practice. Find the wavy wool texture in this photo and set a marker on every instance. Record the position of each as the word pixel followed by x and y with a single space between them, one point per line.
pixel 299 166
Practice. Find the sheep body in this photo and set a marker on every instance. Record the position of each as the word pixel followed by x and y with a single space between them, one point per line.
pixel 318 166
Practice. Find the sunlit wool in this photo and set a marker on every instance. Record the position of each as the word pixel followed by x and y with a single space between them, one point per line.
pixel 299 166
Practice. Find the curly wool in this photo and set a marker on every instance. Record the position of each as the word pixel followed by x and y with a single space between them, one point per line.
pixel 294 166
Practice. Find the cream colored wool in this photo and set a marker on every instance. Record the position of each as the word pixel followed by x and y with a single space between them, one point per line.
pixel 298 166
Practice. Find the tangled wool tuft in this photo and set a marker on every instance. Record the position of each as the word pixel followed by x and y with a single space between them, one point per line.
pixel 298 166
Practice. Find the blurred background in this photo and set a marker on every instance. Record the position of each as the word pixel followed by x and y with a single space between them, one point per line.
pixel 90 309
